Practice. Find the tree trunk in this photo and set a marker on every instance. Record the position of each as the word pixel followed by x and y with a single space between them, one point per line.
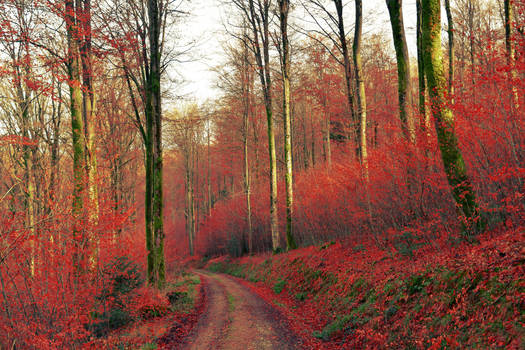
pixel 455 169
pixel 154 114
pixel 208 176
pixel 361 103
pixel 188 212
pixel 509 20
pixel 403 68
pixel 259 22
pixel 88 103
pixel 348 74
pixel 451 55
pixel 360 90
pixel 284 6
pixel 77 126
pixel 425 119
pixel 246 91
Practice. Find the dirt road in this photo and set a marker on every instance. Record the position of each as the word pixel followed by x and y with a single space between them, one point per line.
pixel 237 319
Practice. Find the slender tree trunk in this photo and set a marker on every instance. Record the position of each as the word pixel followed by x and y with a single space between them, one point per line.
pixel 188 212
pixel 193 182
pixel 327 142
pixel 509 23
pixel 24 96
pixel 360 91
pixel 451 54
pixel 77 126
pixel 284 6
pixel 312 135
pixel 326 127
pixel 247 188
pixel 425 119
pixel 148 197
pixel 246 91
pixel 88 104
pixel 348 74
pixel 305 157
pixel 30 189
pixel 208 177
pixel 471 14
pixel 361 102
pixel 455 169
pixel 56 117
pixel 403 68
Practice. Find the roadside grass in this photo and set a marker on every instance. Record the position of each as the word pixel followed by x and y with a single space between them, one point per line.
pixel 181 294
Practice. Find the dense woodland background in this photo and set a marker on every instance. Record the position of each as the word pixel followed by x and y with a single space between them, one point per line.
pixel 101 159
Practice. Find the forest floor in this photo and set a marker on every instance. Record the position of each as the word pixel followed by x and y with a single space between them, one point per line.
pixel 237 318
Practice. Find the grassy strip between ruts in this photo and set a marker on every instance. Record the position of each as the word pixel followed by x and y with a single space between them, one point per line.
pixel 467 297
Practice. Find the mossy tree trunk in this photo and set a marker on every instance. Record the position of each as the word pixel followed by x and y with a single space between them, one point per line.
pixel 395 11
pixel 453 162
pixel 156 271
pixel 77 126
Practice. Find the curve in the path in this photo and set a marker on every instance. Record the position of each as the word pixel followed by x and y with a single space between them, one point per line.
pixel 237 319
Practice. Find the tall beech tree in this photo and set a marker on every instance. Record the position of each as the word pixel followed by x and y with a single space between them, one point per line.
pixel 395 10
pixel 246 88
pixel 77 76
pixel 284 7
pixel 455 168
pixel 153 143
pixel 360 87
pixel 89 108
pixel 257 14
pixel 141 45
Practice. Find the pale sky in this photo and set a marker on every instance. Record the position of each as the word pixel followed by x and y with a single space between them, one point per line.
pixel 206 26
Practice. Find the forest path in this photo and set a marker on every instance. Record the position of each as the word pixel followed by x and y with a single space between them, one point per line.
pixel 235 318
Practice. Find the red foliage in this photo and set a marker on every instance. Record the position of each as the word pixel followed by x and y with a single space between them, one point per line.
pixel 407 190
